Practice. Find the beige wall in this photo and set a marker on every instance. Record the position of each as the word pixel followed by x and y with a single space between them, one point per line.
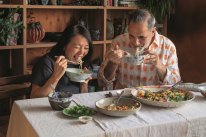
pixel 187 29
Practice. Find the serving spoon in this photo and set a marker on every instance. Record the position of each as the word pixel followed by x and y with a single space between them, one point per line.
pixel 119 97
pixel 174 85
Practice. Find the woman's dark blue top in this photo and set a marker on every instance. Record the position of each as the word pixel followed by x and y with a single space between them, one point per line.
pixel 43 70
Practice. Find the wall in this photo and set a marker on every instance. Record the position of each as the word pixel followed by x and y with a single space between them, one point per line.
pixel 187 29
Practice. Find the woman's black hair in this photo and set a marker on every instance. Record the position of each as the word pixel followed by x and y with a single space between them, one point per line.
pixel 68 34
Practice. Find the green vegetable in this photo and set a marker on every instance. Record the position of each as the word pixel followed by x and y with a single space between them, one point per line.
pixel 79 110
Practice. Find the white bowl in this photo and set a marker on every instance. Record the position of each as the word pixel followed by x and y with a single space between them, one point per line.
pixel 101 104
pixel 85 119
pixel 75 74
pixel 96 68
pixel 127 92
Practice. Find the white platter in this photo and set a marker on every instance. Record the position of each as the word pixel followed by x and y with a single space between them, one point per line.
pixel 158 103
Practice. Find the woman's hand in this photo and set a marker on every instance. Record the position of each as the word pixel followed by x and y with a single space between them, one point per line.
pixel 84 85
pixel 60 67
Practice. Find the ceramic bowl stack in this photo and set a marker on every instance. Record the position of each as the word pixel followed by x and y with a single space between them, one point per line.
pixel 193 87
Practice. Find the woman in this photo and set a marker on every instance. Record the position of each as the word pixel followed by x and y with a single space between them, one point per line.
pixel 74 45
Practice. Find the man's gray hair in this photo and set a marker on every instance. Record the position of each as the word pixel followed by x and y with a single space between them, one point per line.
pixel 141 15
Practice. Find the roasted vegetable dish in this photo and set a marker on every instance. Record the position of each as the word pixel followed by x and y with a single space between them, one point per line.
pixel 173 95
pixel 121 107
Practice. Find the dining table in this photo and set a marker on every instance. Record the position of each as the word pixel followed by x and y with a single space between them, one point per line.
pixel 35 118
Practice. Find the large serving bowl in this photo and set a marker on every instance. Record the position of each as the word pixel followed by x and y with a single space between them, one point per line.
pixel 167 103
pixel 103 103
pixel 76 75
pixel 60 100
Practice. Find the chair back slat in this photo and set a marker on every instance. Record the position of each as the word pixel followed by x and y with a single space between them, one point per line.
pixel 14 79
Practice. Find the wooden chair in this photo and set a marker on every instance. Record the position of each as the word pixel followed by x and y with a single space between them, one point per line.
pixel 12 88
pixel 15 87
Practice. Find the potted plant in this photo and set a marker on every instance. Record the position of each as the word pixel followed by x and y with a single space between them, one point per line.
pixel 159 8
pixel 11 26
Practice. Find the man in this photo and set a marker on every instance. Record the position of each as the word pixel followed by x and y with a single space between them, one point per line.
pixel 160 63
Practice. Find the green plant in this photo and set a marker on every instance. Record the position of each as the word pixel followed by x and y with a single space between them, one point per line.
pixel 159 8
pixel 11 25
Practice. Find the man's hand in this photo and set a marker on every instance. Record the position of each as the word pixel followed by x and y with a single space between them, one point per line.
pixel 152 58
pixel 115 54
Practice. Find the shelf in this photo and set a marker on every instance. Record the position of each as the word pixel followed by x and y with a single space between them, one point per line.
pixel 10 6
pixel 66 7
pixel 41 45
pixel 62 7
pixel 97 42
pixel 108 41
pixel 51 44
pixel 11 47
pixel 121 8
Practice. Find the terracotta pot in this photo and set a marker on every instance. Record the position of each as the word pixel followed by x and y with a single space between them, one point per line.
pixel 35 32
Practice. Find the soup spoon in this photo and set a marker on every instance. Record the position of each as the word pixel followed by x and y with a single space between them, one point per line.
pixel 54 91
pixel 202 90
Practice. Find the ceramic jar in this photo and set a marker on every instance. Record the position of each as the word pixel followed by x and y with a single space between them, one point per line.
pixel 35 32
pixel 44 2
pixel 54 2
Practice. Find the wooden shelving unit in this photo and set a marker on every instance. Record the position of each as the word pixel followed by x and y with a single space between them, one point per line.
pixel 16 60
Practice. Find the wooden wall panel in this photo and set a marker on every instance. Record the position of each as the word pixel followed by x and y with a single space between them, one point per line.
pixel 34 54
pixel 187 29
pixel 53 20
pixel 97 52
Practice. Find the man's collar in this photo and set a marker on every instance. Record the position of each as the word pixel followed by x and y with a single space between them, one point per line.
pixel 156 38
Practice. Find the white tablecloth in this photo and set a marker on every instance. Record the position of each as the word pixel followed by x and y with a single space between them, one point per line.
pixel 34 117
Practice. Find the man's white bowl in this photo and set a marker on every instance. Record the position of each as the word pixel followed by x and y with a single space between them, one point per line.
pixel 75 74
pixel 135 60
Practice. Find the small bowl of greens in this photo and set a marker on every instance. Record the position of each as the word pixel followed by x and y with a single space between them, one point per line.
pixel 78 111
